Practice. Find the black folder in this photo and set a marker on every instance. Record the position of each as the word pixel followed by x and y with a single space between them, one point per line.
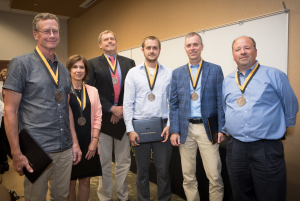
pixel 38 159
pixel 213 128
pixel 114 130
pixel 85 166
pixel 149 130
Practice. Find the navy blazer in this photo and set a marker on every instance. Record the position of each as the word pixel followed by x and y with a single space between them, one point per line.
pixel 210 97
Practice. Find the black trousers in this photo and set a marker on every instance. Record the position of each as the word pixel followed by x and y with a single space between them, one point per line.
pixel 3 156
pixel 162 153
pixel 256 170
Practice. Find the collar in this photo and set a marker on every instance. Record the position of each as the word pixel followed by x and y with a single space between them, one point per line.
pixel 161 67
pixel 55 59
pixel 112 55
pixel 195 66
pixel 247 71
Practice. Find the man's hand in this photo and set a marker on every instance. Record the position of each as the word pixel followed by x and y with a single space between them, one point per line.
pixel 19 161
pixel 117 111
pixel 76 154
pixel 165 133
pixel 175 139
pixel 114 119
pixel 221 137
pixel 92 149
pixel 133 137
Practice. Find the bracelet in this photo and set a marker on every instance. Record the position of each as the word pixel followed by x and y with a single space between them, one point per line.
pixel 96 137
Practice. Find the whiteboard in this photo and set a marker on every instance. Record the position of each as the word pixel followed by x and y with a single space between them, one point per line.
pixel 270 34
pixel 125 53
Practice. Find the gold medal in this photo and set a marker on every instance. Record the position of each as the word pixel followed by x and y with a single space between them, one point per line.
pixel 151 97
pixel 194 96
pixel 151 82
pixel 241 101
pixel 115 80
pixel 58 97
pixel 81 121
pixel 81 103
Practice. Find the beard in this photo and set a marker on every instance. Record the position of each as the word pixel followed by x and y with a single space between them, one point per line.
pixel 244 62
pixel 151 59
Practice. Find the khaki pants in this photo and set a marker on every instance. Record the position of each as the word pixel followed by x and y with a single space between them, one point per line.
pixel 197 137
pixel 122 159
pixel 58 174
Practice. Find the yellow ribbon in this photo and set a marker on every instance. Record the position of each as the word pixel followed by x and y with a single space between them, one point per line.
pixel 111 66
pixel 248 78
pixel 151 79
pixel 84 97
pixel 55 77
pixel 197 75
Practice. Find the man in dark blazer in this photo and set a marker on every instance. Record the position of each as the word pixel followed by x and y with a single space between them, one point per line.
pixel 196 94
pixel 107 73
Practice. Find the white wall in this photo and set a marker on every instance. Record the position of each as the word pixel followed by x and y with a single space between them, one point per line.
pixel 16 37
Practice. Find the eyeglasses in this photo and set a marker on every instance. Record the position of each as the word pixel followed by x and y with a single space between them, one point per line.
pixel 47 32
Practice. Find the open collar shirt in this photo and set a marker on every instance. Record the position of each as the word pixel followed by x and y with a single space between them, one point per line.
pixel 271 105
pixel 136 104
pixel 195 104
pixel 39 113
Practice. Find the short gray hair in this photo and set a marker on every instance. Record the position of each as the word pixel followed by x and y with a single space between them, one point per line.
pixel 43 16
pixel 105 32
pixel 191 34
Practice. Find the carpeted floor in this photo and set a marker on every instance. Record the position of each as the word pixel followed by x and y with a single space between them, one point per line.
pixel 12 181
pixel 131 177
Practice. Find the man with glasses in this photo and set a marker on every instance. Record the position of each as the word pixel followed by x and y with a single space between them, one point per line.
pixel 37 90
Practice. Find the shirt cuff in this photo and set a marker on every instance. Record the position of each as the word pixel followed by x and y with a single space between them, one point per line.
pixel 110 109
pixel 129 128
pixel 290 122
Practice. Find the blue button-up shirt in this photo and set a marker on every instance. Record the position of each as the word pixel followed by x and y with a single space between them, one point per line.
pixel 39 113
pixel 195 105
pixel 271 105
pixel 136 104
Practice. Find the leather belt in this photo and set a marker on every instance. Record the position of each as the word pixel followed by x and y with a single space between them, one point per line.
pixel 196 121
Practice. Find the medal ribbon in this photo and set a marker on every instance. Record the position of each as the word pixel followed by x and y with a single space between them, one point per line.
pixel 151 81
pixel 249 78
pixel 112 67
pixel 82 101
pixel 197 75
pixel 55 77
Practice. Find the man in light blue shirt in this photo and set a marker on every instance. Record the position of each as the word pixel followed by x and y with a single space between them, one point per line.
pixel 259 104
pixel 146 96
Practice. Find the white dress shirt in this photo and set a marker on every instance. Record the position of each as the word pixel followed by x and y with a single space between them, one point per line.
pixel 136 104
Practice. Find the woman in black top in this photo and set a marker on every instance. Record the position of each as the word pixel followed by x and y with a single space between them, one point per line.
pixel 86 108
